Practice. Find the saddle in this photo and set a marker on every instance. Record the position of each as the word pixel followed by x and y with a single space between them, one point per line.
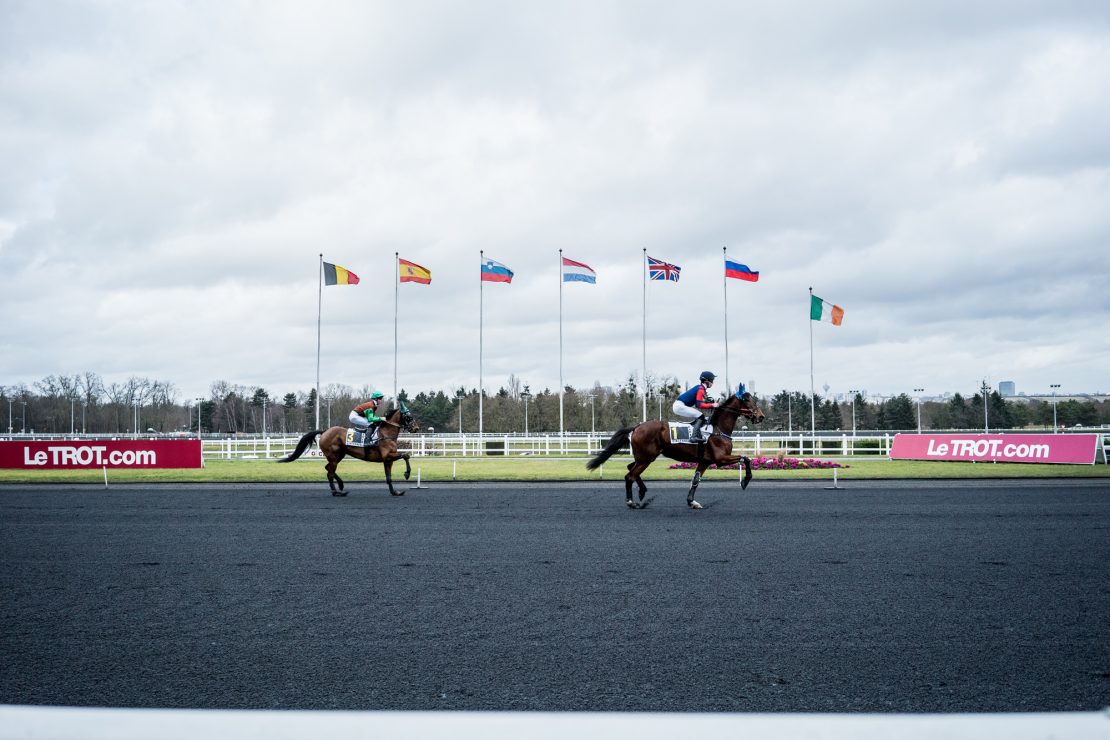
pixel 680 433
pixel 360 437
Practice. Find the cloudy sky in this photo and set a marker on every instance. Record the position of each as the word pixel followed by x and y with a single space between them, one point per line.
pixel 171 173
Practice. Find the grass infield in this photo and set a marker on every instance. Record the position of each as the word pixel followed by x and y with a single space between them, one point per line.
pixel 432 469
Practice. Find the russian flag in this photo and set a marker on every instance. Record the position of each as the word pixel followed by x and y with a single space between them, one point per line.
pixel 577 272
pixel 739 271
pixel 495 272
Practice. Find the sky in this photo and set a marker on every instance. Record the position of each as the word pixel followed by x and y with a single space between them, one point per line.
pixel 172 173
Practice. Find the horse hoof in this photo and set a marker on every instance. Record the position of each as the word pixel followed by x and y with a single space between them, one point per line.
pixel 396 493
pixel 694 505
pixel 630 504
pixel 338 493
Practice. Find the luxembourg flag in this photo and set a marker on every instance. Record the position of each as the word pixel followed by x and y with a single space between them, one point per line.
pixel 495 272
pixel 740 272
pixel 577 272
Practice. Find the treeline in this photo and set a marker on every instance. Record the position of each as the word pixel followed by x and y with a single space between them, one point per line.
pixel 85 404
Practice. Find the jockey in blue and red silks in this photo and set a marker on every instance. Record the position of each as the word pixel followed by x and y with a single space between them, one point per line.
pixel 692 403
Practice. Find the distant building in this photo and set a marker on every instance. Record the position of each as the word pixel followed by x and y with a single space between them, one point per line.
pixel 1007 388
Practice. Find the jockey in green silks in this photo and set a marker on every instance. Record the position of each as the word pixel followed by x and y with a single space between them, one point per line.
pixel 364 417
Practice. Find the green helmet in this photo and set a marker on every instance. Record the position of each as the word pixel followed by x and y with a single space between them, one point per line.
pixel 376 395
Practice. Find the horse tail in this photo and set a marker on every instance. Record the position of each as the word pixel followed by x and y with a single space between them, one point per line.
pixel 618 440
pixel 306 440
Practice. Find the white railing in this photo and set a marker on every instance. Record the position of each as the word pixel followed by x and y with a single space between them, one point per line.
pixel 575 445
pixel 553 445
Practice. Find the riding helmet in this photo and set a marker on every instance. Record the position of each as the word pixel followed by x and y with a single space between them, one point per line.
pixel 707 375
pixel 376 395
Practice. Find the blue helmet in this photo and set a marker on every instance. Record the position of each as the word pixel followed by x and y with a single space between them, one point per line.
pixel 707 375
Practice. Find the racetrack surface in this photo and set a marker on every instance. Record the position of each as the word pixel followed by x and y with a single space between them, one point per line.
pixel 883 596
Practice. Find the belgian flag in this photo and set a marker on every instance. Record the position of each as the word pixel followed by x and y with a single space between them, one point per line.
pixel 336 275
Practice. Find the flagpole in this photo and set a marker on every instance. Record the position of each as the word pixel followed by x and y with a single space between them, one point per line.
pixel 396 301
pixel 481 385
pixel 728 381
pixel 319 310
pixel 812 401
pixel 562 385
pixel 643 378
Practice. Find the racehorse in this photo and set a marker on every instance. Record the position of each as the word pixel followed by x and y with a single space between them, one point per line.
pixel 334 447
pixel 651 439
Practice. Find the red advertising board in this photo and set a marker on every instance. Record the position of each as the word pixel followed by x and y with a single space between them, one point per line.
pixel 99 453
pixel 1071 449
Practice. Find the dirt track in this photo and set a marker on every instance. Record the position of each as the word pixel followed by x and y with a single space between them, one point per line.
pixel 880 597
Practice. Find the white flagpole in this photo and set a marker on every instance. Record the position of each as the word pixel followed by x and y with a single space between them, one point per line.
pixel 812 401
pixel 562 385
pixel 728 380
pixel 319 310
pixel 481 385
pixel 643 378
pixel 396 301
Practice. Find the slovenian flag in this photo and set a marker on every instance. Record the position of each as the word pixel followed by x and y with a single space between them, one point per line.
pixel 410 272
pixel 820 310
pixel 336 275
pixel 495 272
pixel 740 272
pixel 577 272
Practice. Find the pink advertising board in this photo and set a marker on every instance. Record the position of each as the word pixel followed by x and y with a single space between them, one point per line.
pixel 116 453
pixel 1071 449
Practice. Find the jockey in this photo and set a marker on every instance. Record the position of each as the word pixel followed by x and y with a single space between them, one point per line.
pixel 365 417
pixel 692 403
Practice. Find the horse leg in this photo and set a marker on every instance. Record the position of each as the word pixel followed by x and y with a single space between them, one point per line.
pixel 747 472
pixel 694 486
pixel 388 464
pixel 333 478
pixel 408 470
pixel 629 478
pixel 732 460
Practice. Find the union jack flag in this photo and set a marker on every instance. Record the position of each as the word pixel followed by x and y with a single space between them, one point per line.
pixel 660 270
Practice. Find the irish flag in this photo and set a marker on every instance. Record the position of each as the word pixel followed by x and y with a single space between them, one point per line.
pixel 820 310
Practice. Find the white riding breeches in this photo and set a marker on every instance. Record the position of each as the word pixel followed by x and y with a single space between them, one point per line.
pixel 358 421
pixel 684 411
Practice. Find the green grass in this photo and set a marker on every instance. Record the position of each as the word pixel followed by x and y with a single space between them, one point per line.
pixel 541 469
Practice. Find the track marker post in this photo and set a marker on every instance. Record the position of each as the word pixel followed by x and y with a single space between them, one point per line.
pixel 105 476
pixel 834 486
pixel 418 478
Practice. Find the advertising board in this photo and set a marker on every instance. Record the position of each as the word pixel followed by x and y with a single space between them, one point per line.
pixel 100 453
pixel 1067 449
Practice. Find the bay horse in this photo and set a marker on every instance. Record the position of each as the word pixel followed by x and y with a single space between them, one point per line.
pixel 652 438
pixel 334 447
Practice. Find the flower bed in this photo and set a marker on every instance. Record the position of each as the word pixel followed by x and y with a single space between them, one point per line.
pixel 772 463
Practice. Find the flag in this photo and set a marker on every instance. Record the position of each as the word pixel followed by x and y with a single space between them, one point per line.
pixel 660 270
pixel 495 272
pixel 577 272
pixel 820 310
pixel 739 271
pixel 411 272
pixel 336 275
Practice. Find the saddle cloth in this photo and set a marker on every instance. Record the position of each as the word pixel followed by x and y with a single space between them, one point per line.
pixel 358 437
pixel 680 433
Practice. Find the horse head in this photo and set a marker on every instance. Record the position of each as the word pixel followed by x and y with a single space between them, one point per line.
pixel 407 422
pixel 743 403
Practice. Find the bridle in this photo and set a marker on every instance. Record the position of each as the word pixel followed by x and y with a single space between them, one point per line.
pixel 741 411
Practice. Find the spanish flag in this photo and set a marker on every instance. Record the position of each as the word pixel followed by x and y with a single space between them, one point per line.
pixel 411 272
pixel 336 275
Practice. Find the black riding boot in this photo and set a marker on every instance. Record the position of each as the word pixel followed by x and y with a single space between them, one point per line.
pixel 695 429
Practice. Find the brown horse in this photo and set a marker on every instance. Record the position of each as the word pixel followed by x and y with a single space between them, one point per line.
pixel 333 445
pixel 652 439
